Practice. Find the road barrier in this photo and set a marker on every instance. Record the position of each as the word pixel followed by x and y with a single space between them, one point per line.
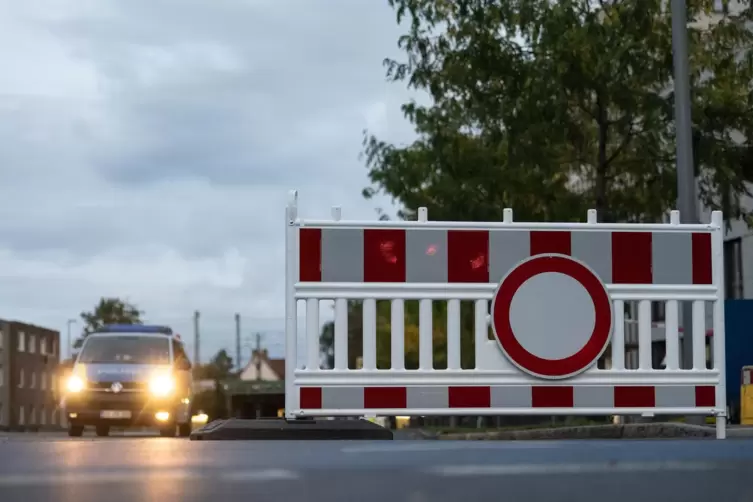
pixel 549 302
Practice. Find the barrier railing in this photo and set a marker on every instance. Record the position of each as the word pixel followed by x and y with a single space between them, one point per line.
pixel 553 294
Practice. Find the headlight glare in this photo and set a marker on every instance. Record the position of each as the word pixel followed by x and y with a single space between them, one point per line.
pixel 75 384
pixel 161 385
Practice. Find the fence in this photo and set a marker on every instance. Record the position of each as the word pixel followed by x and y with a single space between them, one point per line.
pixel 539 362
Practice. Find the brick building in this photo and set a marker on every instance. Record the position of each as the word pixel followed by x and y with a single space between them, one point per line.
pixel 29 357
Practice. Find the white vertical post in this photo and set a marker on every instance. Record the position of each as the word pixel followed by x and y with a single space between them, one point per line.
pixel 644 334
pixel 699 335
pixel 453 334
pixel 481 328
pixel 291 305
pixel 425 320
pixel 717 264
pixel 313 361
pixel 341 318
pixel 425 332
pixel 397 324
pixel 369 334
pixel 672 335
pixel 507 215
pixel 337 213
pixel 618 336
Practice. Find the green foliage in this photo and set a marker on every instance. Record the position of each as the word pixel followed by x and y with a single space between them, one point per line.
pixel 552 108
pixel 411 331
pixel 555 107
pixel 219 368
pixel 109 311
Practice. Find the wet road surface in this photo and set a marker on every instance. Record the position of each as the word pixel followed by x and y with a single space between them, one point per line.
pixel 49 467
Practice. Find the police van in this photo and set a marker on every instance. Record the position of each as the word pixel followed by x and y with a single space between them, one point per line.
pixel 130 376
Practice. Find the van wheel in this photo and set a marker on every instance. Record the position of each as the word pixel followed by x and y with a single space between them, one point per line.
pixel 102 430
pixel 75 431
pixel 167 431
pixel 184 430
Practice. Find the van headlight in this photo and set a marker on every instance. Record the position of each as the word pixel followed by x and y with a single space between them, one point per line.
pixel 161 385
pixel 75 384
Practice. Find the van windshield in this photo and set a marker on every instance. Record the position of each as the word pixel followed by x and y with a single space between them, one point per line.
pixel 125 349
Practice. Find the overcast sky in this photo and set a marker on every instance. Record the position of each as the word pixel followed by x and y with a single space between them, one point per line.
pixel 147 148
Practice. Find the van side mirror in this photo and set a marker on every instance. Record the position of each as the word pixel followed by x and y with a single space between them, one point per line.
pixel 183 364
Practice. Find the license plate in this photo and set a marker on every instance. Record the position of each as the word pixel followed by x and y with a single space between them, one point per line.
pixel 115 414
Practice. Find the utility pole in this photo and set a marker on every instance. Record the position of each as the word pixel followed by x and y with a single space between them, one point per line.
pixel 238 342
pixel 68 339
pixel 686 183
pixel 196 353
pixel 258 356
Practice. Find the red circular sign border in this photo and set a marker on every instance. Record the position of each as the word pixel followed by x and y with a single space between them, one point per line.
pixel 530 363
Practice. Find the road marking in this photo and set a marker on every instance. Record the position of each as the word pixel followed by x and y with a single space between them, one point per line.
pixel 264 475
pixel 142 476
pixel 95 477
pixel 550 469
pixel 459 445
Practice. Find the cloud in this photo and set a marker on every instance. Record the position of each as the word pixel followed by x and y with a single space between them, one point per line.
pixel 147 148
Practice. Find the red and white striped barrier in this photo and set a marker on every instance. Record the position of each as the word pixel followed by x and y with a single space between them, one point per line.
pixel 554 295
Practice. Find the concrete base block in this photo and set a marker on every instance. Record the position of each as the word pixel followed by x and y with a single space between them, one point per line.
pixel 281 429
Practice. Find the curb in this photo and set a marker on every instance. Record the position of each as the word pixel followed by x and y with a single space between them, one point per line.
pixel 626 431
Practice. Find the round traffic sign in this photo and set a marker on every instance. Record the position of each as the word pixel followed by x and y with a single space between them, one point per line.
pixel 552 316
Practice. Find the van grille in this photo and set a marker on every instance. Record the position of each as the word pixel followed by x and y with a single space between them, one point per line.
pixel 127 386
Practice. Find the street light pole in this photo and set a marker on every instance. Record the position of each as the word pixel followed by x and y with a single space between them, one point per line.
pixel 686 183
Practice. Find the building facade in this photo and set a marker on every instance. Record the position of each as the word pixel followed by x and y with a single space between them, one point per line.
pixel 29 358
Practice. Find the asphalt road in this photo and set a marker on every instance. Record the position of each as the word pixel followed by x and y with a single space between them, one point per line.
pixel 127 469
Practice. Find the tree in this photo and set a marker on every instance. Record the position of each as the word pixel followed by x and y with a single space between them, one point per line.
pixel 110 311
pixel 554 107
pixel 219 368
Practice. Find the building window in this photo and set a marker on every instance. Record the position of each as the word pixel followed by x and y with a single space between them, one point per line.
pixel 21 341
pixel 21 378
pixel 21 415
pixel 43 381
pixel 42 416
pixel 33 416
pixel 733 268
pixel 54 347
pixel 43 345
pixel 33 381
pixel 32 344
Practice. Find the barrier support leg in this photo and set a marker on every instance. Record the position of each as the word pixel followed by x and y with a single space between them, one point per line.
pixel 721 427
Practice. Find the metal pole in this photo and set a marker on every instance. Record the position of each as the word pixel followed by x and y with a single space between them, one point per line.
pixel 238 341
pixel 258 356
pixel 68 339
pixel 196 337
pixel 686 183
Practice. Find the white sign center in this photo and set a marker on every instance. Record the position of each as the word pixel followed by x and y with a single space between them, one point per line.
pixel 552 316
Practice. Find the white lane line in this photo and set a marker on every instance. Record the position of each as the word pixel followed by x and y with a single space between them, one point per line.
pixel 94 477
pixel 264 475
pixel 142 476
pixel 550 469
pixel 460 445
